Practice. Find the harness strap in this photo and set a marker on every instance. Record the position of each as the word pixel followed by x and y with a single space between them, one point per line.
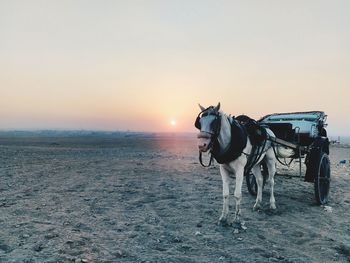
pixel 278 159
pixel 255 156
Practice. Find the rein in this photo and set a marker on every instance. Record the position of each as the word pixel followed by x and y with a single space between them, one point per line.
pixel 211 155
pixel 201 161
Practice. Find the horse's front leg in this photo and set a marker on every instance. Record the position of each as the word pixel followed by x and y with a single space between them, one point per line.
pixel 225 193
pixel 238 193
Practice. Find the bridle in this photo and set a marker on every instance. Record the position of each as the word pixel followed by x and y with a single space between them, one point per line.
pixel 216 126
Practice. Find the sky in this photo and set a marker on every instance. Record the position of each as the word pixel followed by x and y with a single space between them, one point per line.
pixel 145 65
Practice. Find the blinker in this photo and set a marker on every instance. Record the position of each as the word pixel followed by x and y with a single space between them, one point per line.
pixel 197 123
pixel 214 125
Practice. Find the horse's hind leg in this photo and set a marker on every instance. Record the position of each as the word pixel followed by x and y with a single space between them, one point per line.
pixel 259 180
pixel 271 166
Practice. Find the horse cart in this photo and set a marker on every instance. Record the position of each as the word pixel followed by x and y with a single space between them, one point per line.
pixel 305 136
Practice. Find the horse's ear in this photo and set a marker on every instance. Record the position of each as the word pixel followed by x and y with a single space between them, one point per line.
pixel 217 108
pixel 201 107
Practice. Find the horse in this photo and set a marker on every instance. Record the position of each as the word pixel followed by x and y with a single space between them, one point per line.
pixel 230 145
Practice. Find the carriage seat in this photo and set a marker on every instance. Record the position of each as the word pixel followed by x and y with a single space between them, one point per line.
pixel 283 131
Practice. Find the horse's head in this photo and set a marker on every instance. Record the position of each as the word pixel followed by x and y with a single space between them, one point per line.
pixel 208 122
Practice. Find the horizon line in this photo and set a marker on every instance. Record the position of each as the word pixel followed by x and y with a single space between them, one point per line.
pixel 88 130
pixel 115 131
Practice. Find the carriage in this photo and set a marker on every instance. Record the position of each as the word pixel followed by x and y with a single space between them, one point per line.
pixel 305 135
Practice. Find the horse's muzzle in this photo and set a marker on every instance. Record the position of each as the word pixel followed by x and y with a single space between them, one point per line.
pixel 204 141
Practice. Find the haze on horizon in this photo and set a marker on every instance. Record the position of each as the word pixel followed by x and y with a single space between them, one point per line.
pixel 144 65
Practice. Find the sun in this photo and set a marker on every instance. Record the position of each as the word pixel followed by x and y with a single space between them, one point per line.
pixel 173 123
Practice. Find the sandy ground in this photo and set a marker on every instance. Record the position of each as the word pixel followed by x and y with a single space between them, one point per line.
pixel 148 200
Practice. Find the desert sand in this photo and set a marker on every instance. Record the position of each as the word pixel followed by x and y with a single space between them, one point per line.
pixel 147 199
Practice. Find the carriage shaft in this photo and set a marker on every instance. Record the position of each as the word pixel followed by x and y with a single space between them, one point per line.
pixel 288 144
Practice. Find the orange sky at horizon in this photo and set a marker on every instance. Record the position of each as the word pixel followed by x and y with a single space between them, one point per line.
pixel 138 66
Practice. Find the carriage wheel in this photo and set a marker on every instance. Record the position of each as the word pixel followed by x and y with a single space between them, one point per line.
pixel 322 180
pixel 251 181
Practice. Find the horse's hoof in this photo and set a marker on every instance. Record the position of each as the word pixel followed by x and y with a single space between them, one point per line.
pixel 237 221
pixel 272 206
pixel 257 207
pixel 223 222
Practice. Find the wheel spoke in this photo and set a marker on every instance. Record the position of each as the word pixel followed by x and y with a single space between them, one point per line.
pixel 324 179
pixel 252 182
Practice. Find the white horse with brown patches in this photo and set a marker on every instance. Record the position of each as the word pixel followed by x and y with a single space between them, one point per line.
pixel 217 135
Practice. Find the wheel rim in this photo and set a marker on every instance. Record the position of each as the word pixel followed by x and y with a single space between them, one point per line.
pixel 251 180
pixel 323 180
pixel 252 184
